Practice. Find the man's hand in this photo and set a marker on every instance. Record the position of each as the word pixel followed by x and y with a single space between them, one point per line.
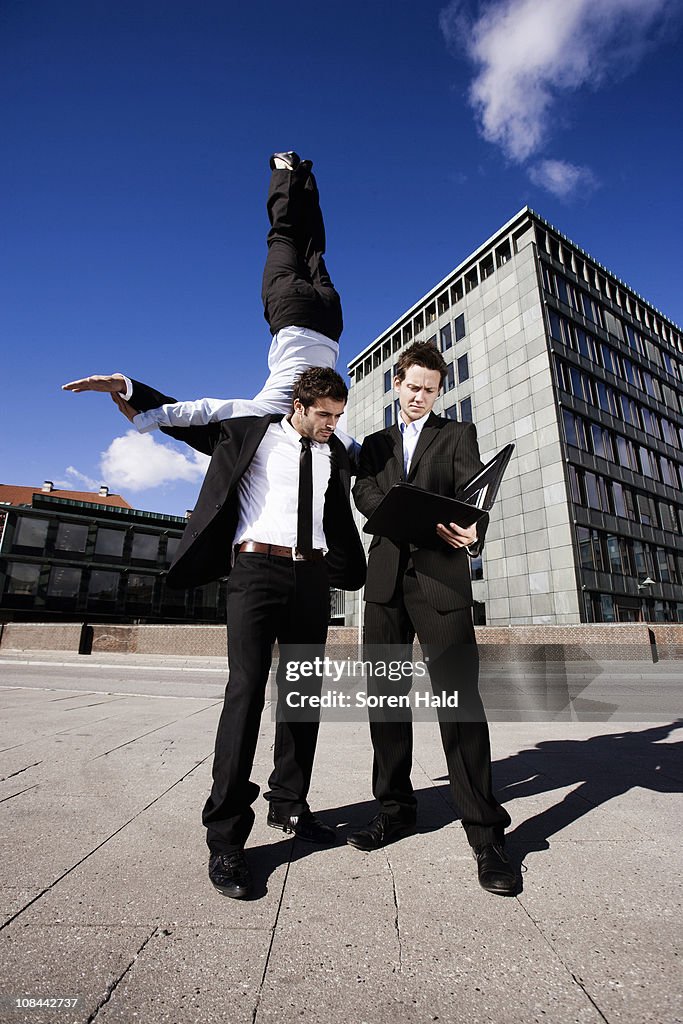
pixel 456 536
pixel 114 383
pixel 125 407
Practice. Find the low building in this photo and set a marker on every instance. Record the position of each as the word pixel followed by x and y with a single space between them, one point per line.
pixel 77 556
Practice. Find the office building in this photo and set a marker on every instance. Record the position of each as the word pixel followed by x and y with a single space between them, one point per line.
pixel 547 349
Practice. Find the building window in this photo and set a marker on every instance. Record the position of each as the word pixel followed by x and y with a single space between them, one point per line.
pixel 172 546
pixel 64 582
pixel 30 533
pixel 459 324
pixel 463 369
pixel 418 324
pixel 145 547
pixel 396 342
pixel 503 254
pixel 407 333
pixel 386 350
pixel 387 381
pixel 431 313
pixel 388 416
pixel 466 410
pixel 471 280
pixel 103 586
pixel 140 592
pixel 443 303
pixel 376 358
pixel 451 413
pixel 449 382
pixel 22 580
pixel 446 335
pixel 109 542
pixel 456 292
pixel 486 266
pixel 71 537
pixel 477 568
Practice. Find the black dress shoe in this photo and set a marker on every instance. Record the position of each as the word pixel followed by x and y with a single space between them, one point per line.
pixel 229 873
pixel 496 873
pixel 285 161
pixel 379 832
pixel 303 826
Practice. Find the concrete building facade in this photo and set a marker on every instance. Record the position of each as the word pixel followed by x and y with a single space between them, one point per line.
pixel 549 350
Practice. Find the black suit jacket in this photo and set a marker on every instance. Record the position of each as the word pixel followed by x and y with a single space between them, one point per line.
pixel 205 549
pixel 446 456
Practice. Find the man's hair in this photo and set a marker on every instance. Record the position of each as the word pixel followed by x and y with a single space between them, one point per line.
pixel 421 353
pixel 319 382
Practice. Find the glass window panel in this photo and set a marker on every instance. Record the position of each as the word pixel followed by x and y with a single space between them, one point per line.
pixel 463 369
pixel 30 533
pixel 174 543
pixel 449 382
pixel 585 547
pixel 451 413
pixel 596 438
pixel 71 537
pixel 109 542
pixel 103 585
pixel 592 492
pixel 570 428
pixel 446 336
pixel 145 546
pixel 387 381
pixel 22 579
pixel 459 324
pixel 388 418
pixel 466 410
pixel 613 553
pixel 140 589
pixel 64 582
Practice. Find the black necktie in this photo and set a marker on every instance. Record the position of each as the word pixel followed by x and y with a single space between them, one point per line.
pixel 304 525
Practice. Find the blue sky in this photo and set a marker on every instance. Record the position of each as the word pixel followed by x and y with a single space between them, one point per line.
pixel 137 134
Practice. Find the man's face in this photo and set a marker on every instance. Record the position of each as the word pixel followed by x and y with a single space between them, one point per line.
pixel 417 392
pixel 318 420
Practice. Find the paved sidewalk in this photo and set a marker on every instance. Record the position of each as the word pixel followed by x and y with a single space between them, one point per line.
pixel 105 765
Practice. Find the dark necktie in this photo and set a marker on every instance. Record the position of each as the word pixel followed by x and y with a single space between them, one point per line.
pixel 304 526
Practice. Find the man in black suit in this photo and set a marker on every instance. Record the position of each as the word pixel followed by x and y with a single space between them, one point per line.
pixel 426 591
pixel 284 535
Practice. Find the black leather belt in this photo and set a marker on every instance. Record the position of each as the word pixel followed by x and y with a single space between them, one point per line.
pixel 255 547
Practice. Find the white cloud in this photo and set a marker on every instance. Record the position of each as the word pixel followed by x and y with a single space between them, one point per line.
pixel 136 462
pixel 76 477
pixel 562 179
pixel 530 52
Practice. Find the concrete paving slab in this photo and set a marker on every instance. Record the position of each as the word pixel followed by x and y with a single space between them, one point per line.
pixel 84 963
pixel 191 974
pixel 155 870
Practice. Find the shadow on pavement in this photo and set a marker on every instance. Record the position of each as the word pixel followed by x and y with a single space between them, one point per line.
pixel 599 768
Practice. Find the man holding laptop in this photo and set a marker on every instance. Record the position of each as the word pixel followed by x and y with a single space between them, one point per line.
pixel 425 590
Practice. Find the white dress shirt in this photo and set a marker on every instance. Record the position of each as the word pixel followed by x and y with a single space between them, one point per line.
pixel 269 489
pixel 292 350
pixel 411 435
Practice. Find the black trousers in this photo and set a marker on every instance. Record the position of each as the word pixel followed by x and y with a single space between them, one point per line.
pixel 269 598
pixel 448 641
pixel 297 289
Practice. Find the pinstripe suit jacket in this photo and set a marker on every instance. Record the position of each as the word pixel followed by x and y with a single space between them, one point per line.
pixel 446 456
